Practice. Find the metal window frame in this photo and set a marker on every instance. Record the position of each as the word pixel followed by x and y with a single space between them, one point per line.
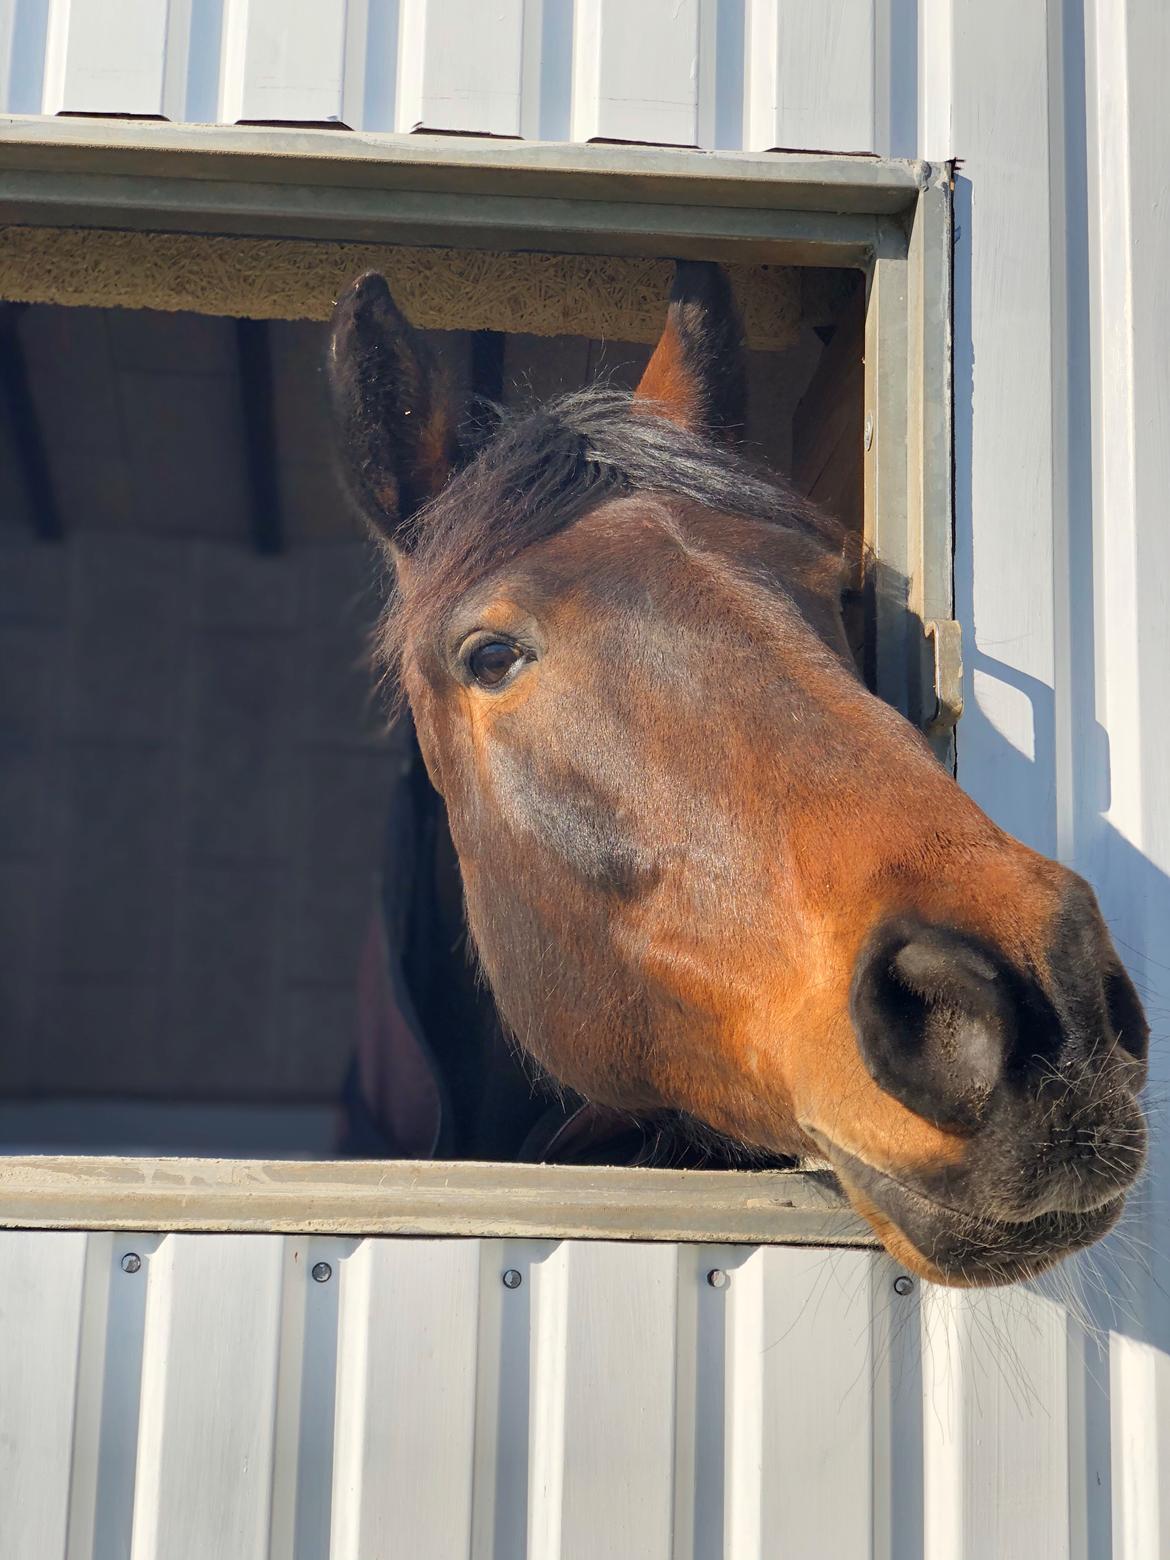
pixel 890 219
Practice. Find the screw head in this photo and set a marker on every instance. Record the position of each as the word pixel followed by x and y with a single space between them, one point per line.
pixel 512 1278
pixel 903 1284
pixel 322 1272
pixel 869 430
pixel 718 1279
pixel 131 1262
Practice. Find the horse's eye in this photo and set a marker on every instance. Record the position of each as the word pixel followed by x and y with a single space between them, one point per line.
pixel 489 663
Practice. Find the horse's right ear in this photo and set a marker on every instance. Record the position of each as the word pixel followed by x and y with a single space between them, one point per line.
pixel 696 375
pixel 394 425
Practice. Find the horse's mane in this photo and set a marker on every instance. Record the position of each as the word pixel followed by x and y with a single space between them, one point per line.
pixel 543 469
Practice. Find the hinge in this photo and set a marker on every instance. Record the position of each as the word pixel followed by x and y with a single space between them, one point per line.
pixel 946 637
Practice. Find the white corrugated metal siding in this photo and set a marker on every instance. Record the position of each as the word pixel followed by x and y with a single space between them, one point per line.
pixel 672 72
pixel 221 1401
pixel 615 1398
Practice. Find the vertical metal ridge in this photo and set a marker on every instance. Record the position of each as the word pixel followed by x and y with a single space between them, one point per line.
pixel 745 1428
pixel 93 1360
pixel 233 59
pixel 690 1411
pixel 944 1365
pixel 157 1320
pixel 354 1320
pixel 411 64
pixel 505 1396
pixel 56 47
pixel 586 88
pixel 704 1399
pixel 546 1467
pixel 1069 499
pixel 23 34
pixel 313 1274
pixel 40 1340
pixel 288 1406
pixel 1140 1382
pixel 108 1411
pixel 896 1344
pixel 549 59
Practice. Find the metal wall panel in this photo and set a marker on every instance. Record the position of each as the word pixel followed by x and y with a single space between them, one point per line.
pixel 727 73
pixel 229 1395
pixel 1002 1426
pixel 123 59
pixel 636 71
pixel 812 75
pixel 288 62
pixel 220 1398
pixel 453 76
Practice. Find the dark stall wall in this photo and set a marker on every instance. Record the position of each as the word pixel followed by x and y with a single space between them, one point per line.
pixel 193 763
pixel 193 789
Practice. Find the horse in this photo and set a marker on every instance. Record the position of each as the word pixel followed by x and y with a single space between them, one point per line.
pixel 707 873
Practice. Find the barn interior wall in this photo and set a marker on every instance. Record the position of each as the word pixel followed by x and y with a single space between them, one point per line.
pixel 194 758
pixel 194 784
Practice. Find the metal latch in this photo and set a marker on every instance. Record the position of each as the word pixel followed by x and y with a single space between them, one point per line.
pixel 946 637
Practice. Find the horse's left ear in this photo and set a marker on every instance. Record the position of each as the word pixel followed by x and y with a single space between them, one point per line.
pixel 696 374
pixel 394 423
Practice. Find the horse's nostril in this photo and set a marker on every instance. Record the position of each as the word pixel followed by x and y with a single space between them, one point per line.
pixel 935 1020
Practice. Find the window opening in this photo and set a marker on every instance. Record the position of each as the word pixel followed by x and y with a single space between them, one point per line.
pixel 241 926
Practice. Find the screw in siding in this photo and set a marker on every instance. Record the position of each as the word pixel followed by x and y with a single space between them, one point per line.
pixel 718 1279
pixel 868 430
pixel 903 1285
pixel 322 1272
pixel 512 1279
pixel 131 1262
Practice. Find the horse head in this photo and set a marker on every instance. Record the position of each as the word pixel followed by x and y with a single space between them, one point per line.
pixel 706 869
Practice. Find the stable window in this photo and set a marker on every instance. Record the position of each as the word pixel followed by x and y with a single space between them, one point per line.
pixel 202 788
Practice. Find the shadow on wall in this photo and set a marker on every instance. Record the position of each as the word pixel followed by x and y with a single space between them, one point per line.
pixel 1056 797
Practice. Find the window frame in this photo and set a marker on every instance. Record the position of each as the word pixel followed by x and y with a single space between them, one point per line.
pixel 890 219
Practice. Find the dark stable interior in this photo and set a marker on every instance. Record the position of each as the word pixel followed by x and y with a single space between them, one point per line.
pixel 231 919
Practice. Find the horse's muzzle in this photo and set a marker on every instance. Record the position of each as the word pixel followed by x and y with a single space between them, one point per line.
pixel 951 1246
pixel 1030 1068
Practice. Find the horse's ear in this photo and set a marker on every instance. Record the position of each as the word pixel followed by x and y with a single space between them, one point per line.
pixel 696 374
pixel 394 425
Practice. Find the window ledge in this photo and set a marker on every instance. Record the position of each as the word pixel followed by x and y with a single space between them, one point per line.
pixel 401 1197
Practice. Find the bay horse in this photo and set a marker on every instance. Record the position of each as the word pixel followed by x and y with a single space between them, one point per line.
pixel 706 871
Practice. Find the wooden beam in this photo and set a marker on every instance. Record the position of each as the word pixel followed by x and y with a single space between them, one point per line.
pixel 255 359
pixel 487 364
pixel 487 388
pixel 32 458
